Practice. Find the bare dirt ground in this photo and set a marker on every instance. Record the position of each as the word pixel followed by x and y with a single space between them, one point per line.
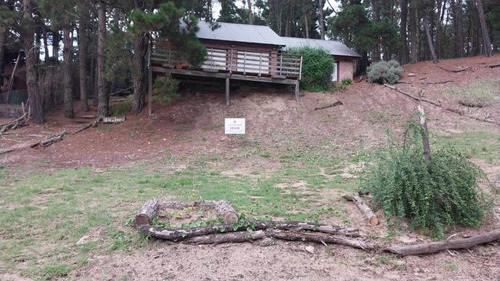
pixel 193 127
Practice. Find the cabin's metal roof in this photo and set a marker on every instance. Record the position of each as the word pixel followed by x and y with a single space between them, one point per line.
pixel 334 48
pixel 245 33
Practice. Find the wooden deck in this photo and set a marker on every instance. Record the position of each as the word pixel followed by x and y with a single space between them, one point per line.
pixel 233 64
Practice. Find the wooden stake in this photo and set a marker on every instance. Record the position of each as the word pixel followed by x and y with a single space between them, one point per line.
pixel 228 101
pixel 425 134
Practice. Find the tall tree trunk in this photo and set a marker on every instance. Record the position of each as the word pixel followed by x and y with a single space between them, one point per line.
pixel 45 44
pixel 250 14
pixel 321 20
pixel 429 41
pixel 55 45
pixel 82 66
pixel 306 25
pixel 376 19
pixel 102 106
pixel 458 29
pixel 68 87
pixel 484 30
pixel 403 54
pixel 34 98
pixel 3 36
pixel 413 34
pixel 140 47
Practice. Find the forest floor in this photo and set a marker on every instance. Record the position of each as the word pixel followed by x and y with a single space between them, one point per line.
pixel 282 135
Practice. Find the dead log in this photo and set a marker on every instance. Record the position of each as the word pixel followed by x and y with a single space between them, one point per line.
pixel 147 213
pixel 363 207
pixel 177 234
pixel 318 238
pixel 226 211
pixel 439 105
pixel 471 104
pixel 454 70
pixel 493 66
pixel 438 82
pixel 425 134
pixel 234 237
pixel 50 140
pixel 113 120
pixel 92 124
pixel 331 105
pixel 434 247
pixel 14 124
pixel 412 96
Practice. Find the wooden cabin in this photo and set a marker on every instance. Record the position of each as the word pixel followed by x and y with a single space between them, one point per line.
pixel 345 58
pixel 235 52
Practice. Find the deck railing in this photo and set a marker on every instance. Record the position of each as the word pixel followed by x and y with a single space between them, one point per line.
pixel 238 61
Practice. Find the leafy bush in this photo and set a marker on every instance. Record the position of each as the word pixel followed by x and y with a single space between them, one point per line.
pixel 385 72
pixel 166 89
pixel 347 81
pixel 432 195
pixel 317 68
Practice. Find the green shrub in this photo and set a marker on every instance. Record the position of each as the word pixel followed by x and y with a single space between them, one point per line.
pixel 347 81
pixel 385 72
pixel 317 68
pixel 122 108
pixel 431 195
pixel 166 89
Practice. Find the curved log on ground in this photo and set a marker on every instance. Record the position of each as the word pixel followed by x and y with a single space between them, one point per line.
pixel 233 237
pixel 434 247
pixel 318 238
pixel 179 234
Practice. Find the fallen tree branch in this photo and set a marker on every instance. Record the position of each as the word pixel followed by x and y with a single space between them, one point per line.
pixel 363 207
pixel 234 237
pixel 493 66
pixel 454 70
pixel 318 238
pixel 331 105
pixel 439 105
pixel 471 104
pixel 92 124
pixel 412 96
pixel 438 82
pixel 435 247
pixel 14 124
pixel 50 140
pixel 177 234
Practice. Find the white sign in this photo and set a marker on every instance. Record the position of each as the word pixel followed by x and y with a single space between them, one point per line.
pixel 235 126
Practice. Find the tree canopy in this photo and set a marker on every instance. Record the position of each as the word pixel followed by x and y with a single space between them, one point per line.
pixel 407 30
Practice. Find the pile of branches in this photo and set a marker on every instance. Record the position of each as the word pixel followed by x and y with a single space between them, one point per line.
pixel 238 229
pixel 242 230
pixel 14 124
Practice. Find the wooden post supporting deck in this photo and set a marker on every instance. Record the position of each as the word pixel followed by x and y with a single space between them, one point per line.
pixel 297 90
pixel 228 100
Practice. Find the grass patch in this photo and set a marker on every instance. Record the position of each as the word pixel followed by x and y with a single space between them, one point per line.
pixel 486 145
pixel 478 94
